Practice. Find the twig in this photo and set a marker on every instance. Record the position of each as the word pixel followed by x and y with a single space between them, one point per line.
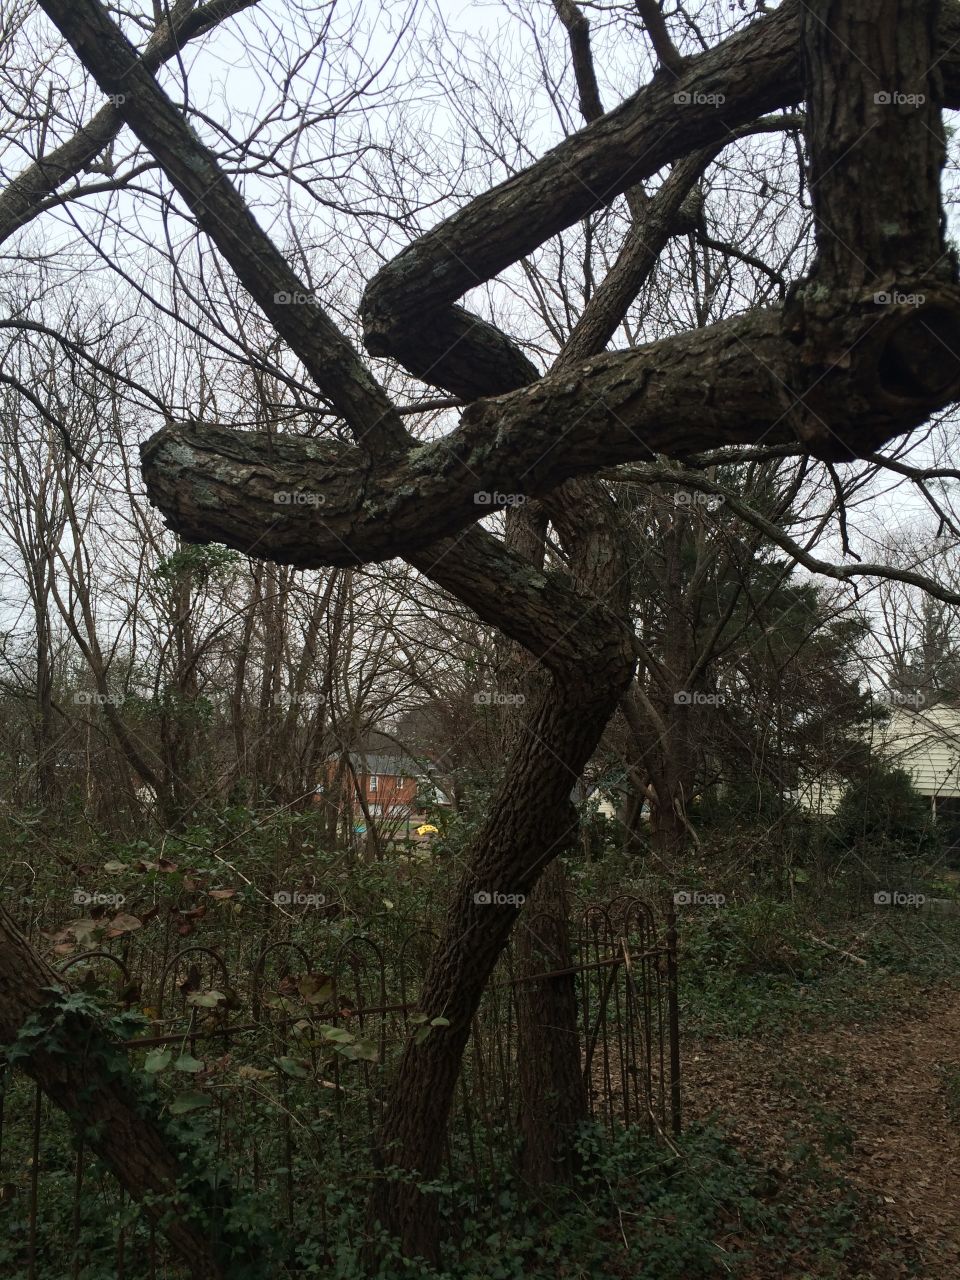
pixel 839 950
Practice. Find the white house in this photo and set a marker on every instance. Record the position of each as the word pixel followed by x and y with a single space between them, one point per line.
pixel 924 742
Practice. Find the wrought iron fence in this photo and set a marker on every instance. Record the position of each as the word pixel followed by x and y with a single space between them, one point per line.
pixel 290 1108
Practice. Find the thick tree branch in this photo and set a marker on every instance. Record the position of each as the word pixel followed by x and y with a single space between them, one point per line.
pixel 577 27
pixel 641 250
pixel 756 71
pixel 656 26
pixel 865 113
pixel 309 502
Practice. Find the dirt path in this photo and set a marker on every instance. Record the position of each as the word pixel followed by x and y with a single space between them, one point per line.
pixel 872 1096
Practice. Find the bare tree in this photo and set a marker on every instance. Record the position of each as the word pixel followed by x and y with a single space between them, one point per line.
pixel 862 349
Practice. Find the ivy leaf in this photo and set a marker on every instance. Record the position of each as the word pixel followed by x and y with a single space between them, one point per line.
pixel 191 1101
pixel 157 1060
pixel 297 1067
pixel 84 929
pixel 362 1049
pixel 187 1062
pixel 337 1034
pixel 315 988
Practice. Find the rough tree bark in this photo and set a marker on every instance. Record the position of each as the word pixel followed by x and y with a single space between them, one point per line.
pixel 553 1098
pixel 832 368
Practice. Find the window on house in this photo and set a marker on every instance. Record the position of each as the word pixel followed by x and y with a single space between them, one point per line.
pixel 373 782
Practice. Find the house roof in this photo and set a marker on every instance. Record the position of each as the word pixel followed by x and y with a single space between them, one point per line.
pixel 388 766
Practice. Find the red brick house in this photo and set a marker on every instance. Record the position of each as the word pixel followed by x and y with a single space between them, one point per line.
pixel 388 784
pixel 391 786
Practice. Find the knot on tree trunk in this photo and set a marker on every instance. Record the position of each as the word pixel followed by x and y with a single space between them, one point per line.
pixel 870 366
